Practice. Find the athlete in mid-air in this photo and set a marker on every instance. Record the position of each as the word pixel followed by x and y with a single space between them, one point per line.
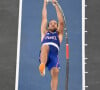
pixel 51 38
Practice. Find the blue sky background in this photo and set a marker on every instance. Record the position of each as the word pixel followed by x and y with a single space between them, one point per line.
pixel 29 76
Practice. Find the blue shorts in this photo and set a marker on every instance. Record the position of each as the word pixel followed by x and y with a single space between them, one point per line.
pixel 52 60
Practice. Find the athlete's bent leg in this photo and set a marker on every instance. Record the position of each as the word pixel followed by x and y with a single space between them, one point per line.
pixel 43 58
pixel 54 78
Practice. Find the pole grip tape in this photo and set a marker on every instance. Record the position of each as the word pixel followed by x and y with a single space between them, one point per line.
pixel 67 51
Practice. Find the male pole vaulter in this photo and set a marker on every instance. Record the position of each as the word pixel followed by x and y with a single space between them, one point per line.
pixel 51 38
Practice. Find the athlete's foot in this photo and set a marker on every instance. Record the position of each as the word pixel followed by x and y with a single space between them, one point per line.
pixel 42 69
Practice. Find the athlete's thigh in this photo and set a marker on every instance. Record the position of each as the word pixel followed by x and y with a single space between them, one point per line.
pixel 53 61
pixel 44 49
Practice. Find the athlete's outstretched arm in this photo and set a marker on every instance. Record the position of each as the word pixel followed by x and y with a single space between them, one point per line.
pixel 44 19
pixel 60 19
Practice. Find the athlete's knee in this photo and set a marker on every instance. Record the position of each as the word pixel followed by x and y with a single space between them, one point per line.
pixel 54 72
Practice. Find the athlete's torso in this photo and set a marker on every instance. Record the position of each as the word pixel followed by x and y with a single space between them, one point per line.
pixel 51 38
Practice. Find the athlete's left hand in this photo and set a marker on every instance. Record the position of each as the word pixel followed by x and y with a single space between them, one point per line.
pixel 54 2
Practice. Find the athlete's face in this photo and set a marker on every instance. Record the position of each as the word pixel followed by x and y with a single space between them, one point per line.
pixel 52 25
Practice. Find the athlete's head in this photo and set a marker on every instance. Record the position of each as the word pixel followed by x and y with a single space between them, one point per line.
pixel 52 25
